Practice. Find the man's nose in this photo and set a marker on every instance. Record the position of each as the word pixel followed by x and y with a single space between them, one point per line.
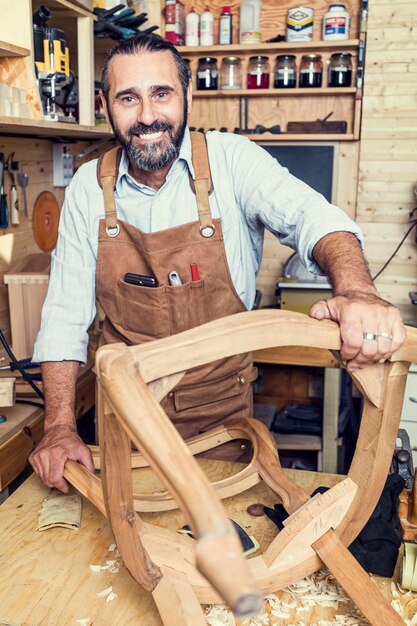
pixel 148 113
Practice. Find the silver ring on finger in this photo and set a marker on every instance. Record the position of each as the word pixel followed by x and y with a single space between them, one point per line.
pixel 385 335
pixel 370 336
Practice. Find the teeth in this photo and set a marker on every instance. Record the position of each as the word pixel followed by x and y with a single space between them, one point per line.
pixel 151 135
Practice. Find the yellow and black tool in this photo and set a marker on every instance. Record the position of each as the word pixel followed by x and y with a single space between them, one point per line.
pixel 51 61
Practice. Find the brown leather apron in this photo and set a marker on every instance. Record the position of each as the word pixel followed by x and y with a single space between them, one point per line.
pixel 208 395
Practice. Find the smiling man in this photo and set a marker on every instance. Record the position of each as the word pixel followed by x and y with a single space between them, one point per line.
pixel 170 203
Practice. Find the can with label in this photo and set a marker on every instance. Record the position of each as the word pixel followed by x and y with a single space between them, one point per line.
pixel 300 24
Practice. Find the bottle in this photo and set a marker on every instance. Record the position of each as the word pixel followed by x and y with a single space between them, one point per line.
pixel 285 72
pixel 340 70
pixel 258 72
pixel 192 22
pixel 311 70
pixel 207 28
pixel 336 23
pixel 249 29
pixel 225 27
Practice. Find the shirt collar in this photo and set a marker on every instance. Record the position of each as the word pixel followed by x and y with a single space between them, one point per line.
pixel 184 155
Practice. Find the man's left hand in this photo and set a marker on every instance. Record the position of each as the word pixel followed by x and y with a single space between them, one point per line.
pixel 371 328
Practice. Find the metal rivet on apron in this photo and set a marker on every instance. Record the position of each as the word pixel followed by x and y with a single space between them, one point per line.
pixel 243 447
pixel 241 379
pixel 171 394
pixel 114 231
pixel 207 231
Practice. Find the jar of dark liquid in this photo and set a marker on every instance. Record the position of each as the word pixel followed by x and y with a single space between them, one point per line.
pixel 340 70
pixel 285 72
pixel 311 70
pixel 207 73
pixel 258 73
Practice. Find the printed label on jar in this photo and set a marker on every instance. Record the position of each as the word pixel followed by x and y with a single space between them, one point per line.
pixel 335 26
pixel 285 72
pixel 205 73
pixel 300 24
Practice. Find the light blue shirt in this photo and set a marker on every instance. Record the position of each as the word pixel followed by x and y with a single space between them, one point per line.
pixel 251 192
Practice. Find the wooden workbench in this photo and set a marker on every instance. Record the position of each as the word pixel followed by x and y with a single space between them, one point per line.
pixel 24 426
pixel 46 578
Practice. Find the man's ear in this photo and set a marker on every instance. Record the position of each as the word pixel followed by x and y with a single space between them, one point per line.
pixel 104 105
pixel 189 97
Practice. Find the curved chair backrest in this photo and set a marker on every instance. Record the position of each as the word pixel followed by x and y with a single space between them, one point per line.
pixel 133 379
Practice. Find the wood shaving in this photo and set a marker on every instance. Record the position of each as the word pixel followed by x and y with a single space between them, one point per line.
pixel 84 621
pixel 320 589
pixel 95 568
pixel 105 592
pixel 112 596
pixel 111 566
pixel 112 547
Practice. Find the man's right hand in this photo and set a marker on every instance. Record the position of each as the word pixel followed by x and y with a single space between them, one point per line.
pixel 59 444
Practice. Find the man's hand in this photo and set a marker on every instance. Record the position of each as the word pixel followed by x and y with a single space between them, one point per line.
pixel 371 329
pixel 59 444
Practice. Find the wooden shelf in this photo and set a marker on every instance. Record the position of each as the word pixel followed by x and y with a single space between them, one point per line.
pixel 42 128
pixel 269 47
pixel 10 50
pixel 65 8
pixel 297 91
pixel 297 137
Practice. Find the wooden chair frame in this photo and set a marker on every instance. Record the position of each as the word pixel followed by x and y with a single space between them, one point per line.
pixel 182 573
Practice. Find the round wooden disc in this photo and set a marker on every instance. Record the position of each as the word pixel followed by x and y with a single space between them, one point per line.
pixel 45 221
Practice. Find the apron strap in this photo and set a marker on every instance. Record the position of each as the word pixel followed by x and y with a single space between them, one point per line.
pixel 107 170
pixel 202 185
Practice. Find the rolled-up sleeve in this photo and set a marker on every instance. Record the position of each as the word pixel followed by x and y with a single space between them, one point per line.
pixel 69 307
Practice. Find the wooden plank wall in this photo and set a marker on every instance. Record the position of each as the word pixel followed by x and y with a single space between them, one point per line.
pixel 387 160
pixel 16 242
pixel 388 154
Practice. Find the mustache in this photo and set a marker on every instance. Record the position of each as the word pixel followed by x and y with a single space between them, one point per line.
pixel 155 127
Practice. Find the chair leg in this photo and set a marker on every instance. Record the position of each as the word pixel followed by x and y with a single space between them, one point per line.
pixel 355 581
pixel 176 601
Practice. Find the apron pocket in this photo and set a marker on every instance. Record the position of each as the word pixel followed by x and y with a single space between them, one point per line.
pixel 187 307
pixel 214 392
pixel 143 310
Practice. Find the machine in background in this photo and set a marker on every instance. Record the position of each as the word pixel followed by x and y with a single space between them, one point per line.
pixel 52 66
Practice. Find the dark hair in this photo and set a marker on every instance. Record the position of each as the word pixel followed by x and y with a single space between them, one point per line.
pixel 145 43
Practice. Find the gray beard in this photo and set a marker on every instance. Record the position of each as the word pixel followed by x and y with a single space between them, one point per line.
pixel 150 158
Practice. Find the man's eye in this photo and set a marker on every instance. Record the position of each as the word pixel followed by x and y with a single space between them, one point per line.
pixel 161 95
pixel 127 100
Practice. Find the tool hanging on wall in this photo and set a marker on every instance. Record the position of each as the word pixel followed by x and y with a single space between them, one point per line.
pixel 11 167
pixel 23 180
pixel 120 23
pixel 4 211
pixel 45 221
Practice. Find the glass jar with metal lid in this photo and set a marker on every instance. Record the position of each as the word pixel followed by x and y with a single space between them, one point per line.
pixel 285 72
pixel 231 73
pixel 311 70
pixel 340 70
pixel 258 72
pixel 207 73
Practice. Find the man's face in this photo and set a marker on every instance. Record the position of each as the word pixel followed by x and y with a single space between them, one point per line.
pixel 147 109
